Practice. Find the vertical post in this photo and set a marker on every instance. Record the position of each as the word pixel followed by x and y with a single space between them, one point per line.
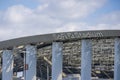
pixel 117 60
pixel 24 72
pixel 7 65
pixel 86 60
pixel 30 66
pixel 57 60
pixel 47 72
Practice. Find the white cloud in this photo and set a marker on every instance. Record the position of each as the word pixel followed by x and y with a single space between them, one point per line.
pixel 84 26
pixel 18 21
pixel 42 7
pixel 113 17
pixel 72 9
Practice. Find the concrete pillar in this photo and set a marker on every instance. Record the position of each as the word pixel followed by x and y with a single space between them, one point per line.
pixel 86 60
pixel 117 60
pixel 7 65
pixel 57 60
pixel 30 64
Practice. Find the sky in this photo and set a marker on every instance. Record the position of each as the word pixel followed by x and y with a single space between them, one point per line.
pixel 19 18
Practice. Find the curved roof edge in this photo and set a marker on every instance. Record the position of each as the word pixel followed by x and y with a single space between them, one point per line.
pixel 48 38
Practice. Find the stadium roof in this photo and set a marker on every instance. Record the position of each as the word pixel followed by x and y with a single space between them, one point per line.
pixel 48 38
pixel 103 51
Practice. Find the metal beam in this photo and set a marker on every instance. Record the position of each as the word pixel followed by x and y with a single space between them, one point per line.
pixel 49 38
pixel 50 63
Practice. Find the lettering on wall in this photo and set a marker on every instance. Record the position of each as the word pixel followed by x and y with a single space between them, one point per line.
pixel 76 35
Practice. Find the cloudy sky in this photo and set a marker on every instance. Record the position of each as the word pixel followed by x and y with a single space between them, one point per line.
pixel 20 18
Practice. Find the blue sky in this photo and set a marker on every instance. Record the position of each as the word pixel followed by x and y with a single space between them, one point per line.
pixel 20 18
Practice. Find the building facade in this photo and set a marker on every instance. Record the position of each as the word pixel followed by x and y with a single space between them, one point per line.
pixel 84 55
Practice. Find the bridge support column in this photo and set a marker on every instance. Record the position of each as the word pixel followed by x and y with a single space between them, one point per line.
pixel 86 60
pixel 117 60
pixel 7 65
pixel 57 60
pixel 30 63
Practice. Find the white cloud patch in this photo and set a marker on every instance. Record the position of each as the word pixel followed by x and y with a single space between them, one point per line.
pixel 18 21
pixel 17 14
pixel 113 17
pixel 72 9
pixel 42 7
pixel 85 26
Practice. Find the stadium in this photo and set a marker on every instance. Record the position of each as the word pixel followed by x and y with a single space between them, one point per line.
pixel 79 55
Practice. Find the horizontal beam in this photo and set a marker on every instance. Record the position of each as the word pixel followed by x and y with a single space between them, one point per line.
pixel 48 38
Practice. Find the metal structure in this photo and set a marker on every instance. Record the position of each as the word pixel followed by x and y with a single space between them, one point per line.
pixel 80 55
